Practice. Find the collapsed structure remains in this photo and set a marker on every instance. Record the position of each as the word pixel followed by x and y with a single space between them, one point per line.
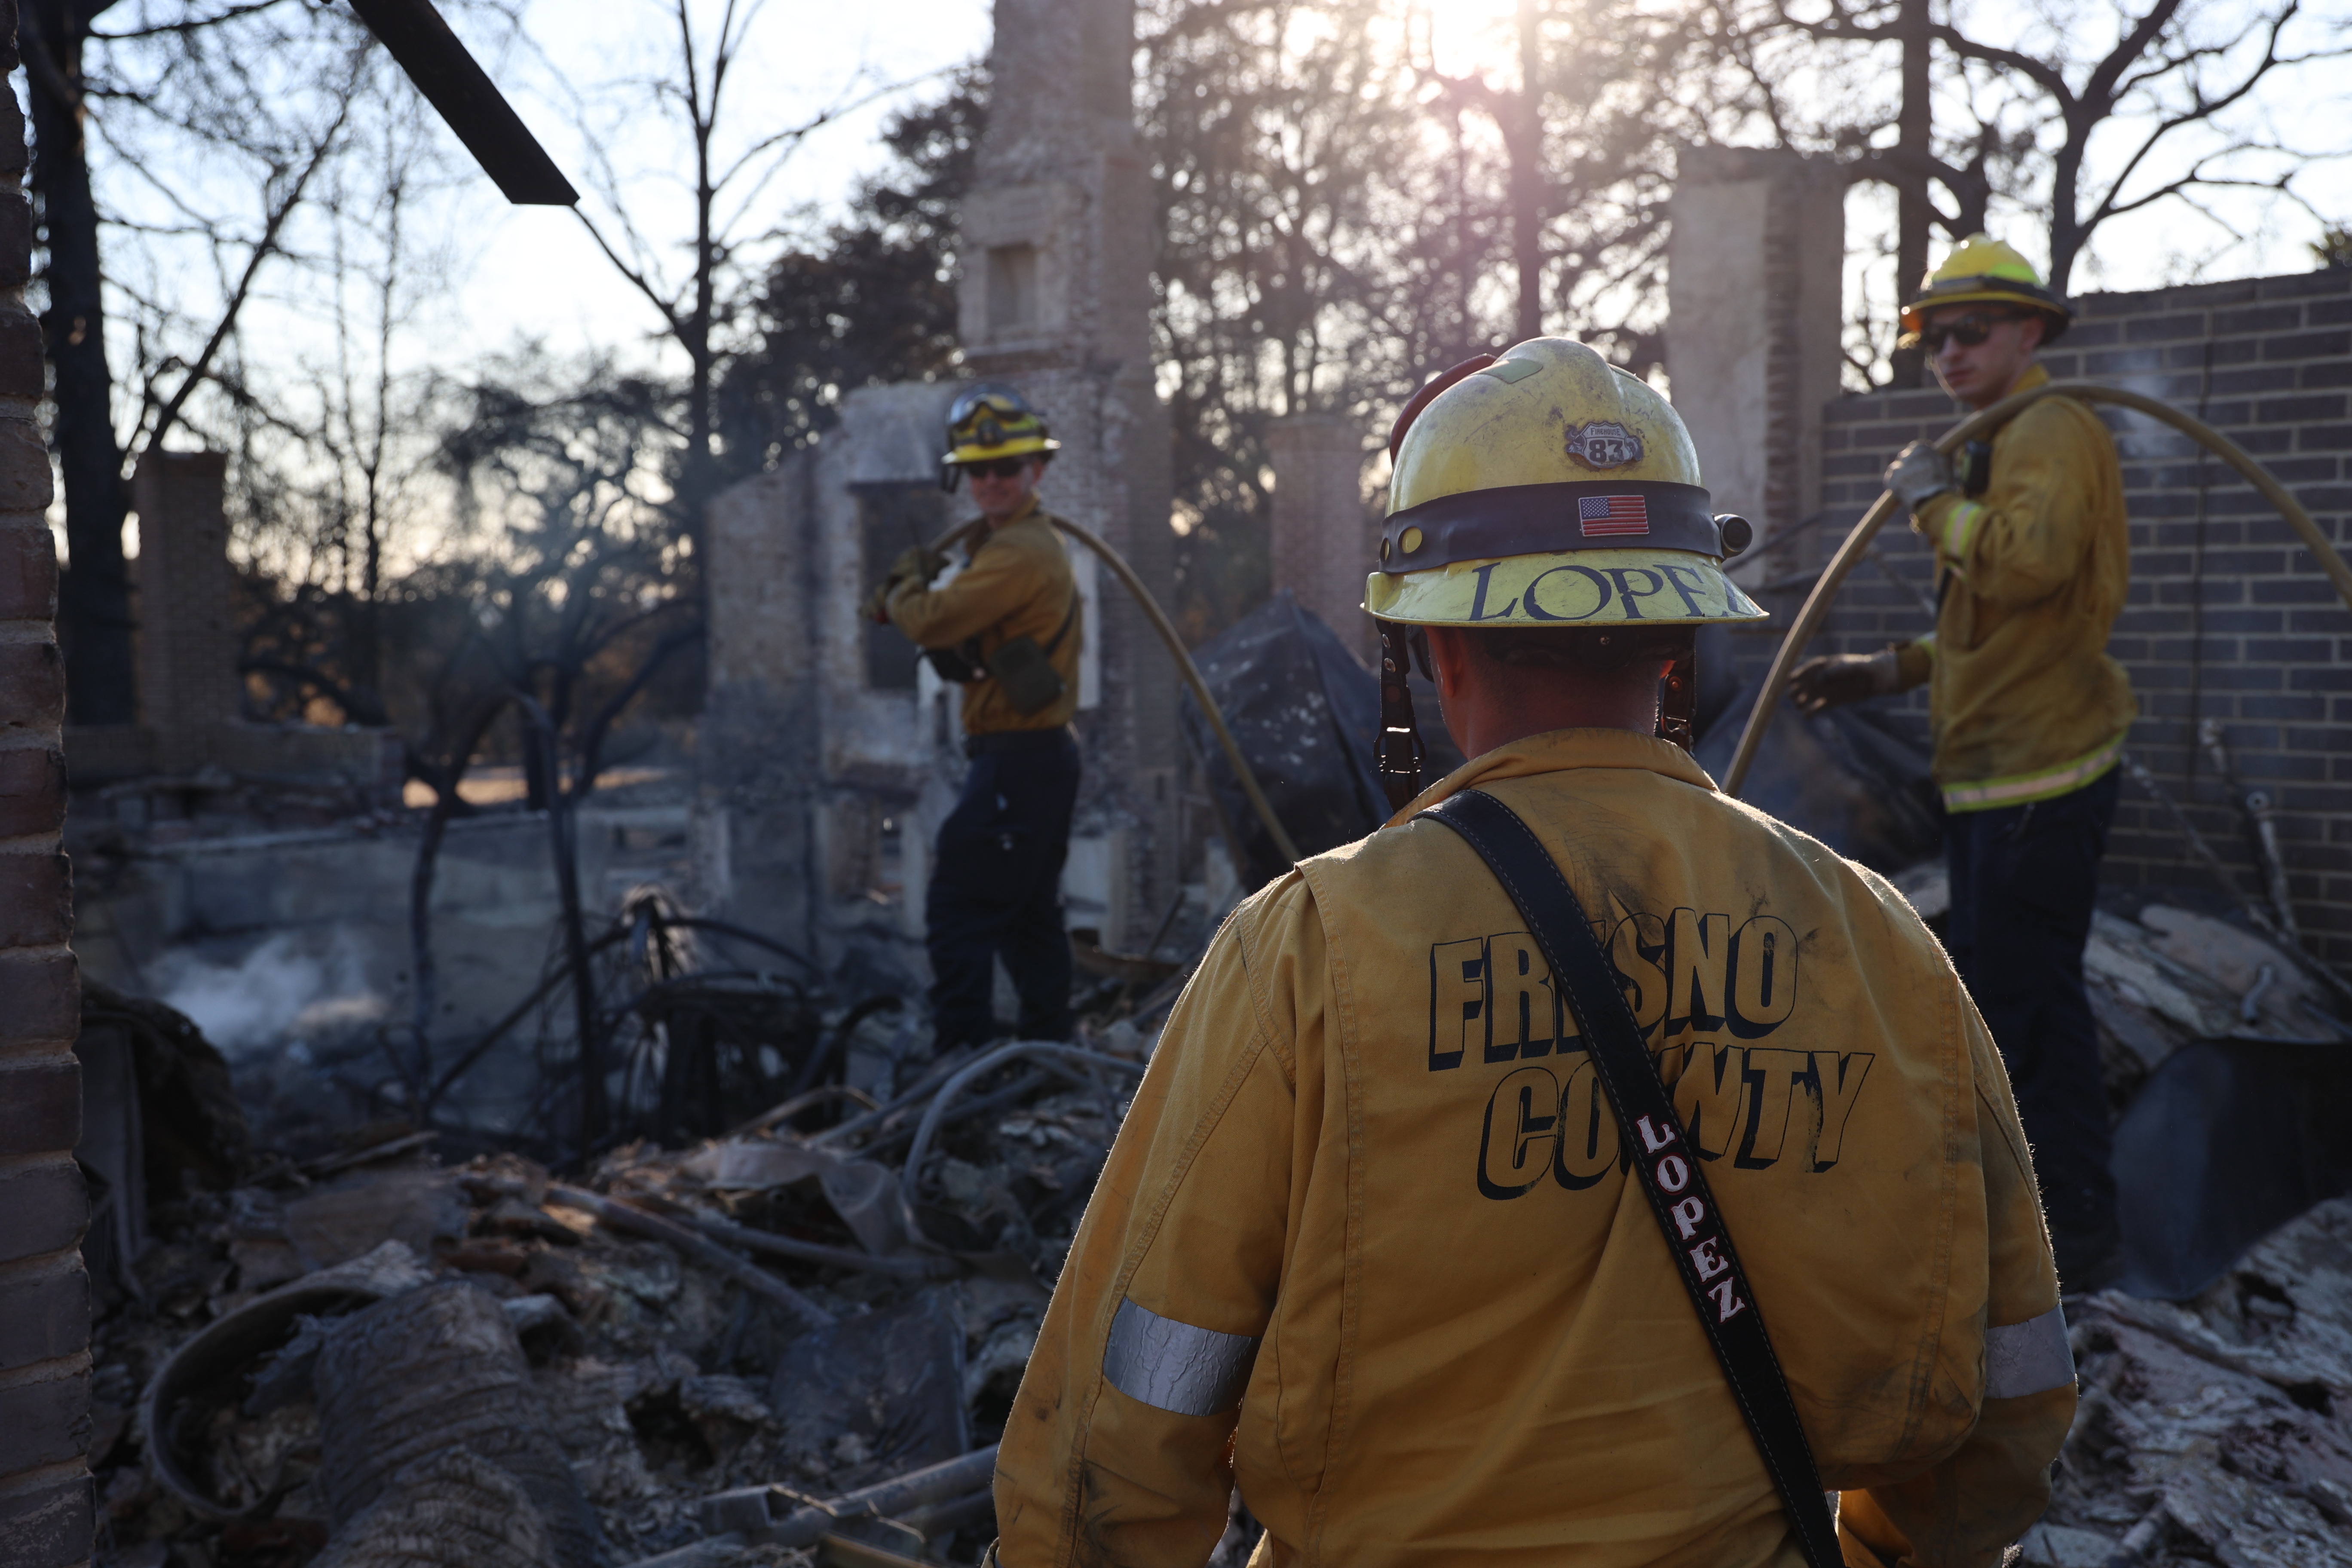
pixel 648 1372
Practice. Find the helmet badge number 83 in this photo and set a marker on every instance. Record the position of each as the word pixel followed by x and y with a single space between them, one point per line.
pixel 1604 443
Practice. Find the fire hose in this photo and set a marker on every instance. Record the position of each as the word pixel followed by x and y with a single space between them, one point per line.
pixel 1185 666
pixel 1974 427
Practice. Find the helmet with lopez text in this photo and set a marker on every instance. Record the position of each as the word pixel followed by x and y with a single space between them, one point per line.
pixel 1981 270
pixel 1549 489
pixel 1546 491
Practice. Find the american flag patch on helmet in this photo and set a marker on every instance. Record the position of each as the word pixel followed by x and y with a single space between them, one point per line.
pixel 1605 516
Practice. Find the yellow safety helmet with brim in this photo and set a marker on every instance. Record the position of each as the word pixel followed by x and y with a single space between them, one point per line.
pixel 988 422
pixel 1982 270
pixel 1549 489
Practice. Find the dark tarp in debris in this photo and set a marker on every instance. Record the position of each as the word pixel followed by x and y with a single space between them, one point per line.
pixel 1306 714
pixel 2226 1141
pixel 1846 777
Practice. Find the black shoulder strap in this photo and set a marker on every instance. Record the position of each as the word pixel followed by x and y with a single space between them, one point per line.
pixel 1069 619
pixel 1668 1168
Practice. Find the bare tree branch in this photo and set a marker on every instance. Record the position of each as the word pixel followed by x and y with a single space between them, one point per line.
pixel 262 249
pixel 188 24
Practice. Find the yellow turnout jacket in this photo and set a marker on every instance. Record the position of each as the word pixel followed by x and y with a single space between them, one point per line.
pixel 2024 701
pixel 1367 1242
pixel 1019 584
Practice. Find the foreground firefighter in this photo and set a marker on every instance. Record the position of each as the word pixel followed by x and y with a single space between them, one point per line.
pixel 1008 629
pixel 2032 561
pixel 1393 1238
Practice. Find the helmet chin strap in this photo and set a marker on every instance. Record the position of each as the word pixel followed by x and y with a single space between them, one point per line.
pixel 1399 751
pixel 1678 693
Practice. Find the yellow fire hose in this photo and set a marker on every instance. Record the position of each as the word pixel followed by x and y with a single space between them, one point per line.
pixel 1185 666
pixel 1976 425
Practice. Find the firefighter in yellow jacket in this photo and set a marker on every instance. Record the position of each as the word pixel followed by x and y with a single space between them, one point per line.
pixel 1367 1245
pixel 1008 626
pixel 2029 712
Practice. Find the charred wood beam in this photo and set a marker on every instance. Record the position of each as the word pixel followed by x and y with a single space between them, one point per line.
pixel 454 82
pixel 752 1511
pixel 910 1266
pixel 690 1243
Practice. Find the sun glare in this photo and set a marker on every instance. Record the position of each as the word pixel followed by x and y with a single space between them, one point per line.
pixel 1471 36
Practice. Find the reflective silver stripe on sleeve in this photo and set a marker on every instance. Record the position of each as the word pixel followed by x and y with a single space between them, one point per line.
pixel 2028 1357
pixel 1174 1366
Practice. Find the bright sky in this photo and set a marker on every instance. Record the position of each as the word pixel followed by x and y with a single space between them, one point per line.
pixel 519 275
pixel 535 272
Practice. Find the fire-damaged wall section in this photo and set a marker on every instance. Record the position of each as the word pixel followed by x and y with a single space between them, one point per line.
pixel 1056 298
pixel 2229 618
pixel 45 1510
pixel 830 753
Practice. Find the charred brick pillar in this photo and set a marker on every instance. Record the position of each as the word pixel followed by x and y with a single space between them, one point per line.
pixel 1756 263
pixel 1056 298
pixel 46 1504
pixel 1322 540
pixel 187 592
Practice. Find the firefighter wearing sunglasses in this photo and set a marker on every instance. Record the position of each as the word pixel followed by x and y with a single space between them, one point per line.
pixel 1008 626
pixel 2029 712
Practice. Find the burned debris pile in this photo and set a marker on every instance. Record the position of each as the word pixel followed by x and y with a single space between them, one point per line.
pixel 2228 1062
pixel 374 1358
pixel 2217 1429
pixel 798 1339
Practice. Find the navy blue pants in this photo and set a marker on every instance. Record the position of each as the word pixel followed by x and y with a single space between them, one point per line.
pixel 2023 878
pixel 996 890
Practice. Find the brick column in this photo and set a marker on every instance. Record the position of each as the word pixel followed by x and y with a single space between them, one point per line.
pixel 1321 543
pixel 46 1504
pixel 1756 263
pixel 188 591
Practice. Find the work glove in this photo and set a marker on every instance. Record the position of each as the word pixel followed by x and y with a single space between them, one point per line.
pixel 1919 474
pixel 917 565
pixel 1833 681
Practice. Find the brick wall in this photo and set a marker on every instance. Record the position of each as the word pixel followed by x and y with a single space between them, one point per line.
pixel 2229 618
pixel 46 1511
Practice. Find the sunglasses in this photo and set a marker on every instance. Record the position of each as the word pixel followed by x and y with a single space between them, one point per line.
pixel 997 468
pixel 1971 330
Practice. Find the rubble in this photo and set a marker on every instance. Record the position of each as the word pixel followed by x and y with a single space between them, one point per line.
pixel 2163 976
pixel 1305 713
pixel 428 1374
pixel 2219 1429
pixel 2228 1069
pixel 1850 777
pixel 374 1357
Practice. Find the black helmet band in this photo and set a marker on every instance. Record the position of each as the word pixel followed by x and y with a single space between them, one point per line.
pixel 1545 519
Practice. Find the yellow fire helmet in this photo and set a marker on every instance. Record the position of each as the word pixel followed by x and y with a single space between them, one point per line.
pixel 1981 270
pixel 988 421
pixel 1550 489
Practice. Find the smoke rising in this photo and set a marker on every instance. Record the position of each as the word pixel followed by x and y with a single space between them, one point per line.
pixel 290 986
